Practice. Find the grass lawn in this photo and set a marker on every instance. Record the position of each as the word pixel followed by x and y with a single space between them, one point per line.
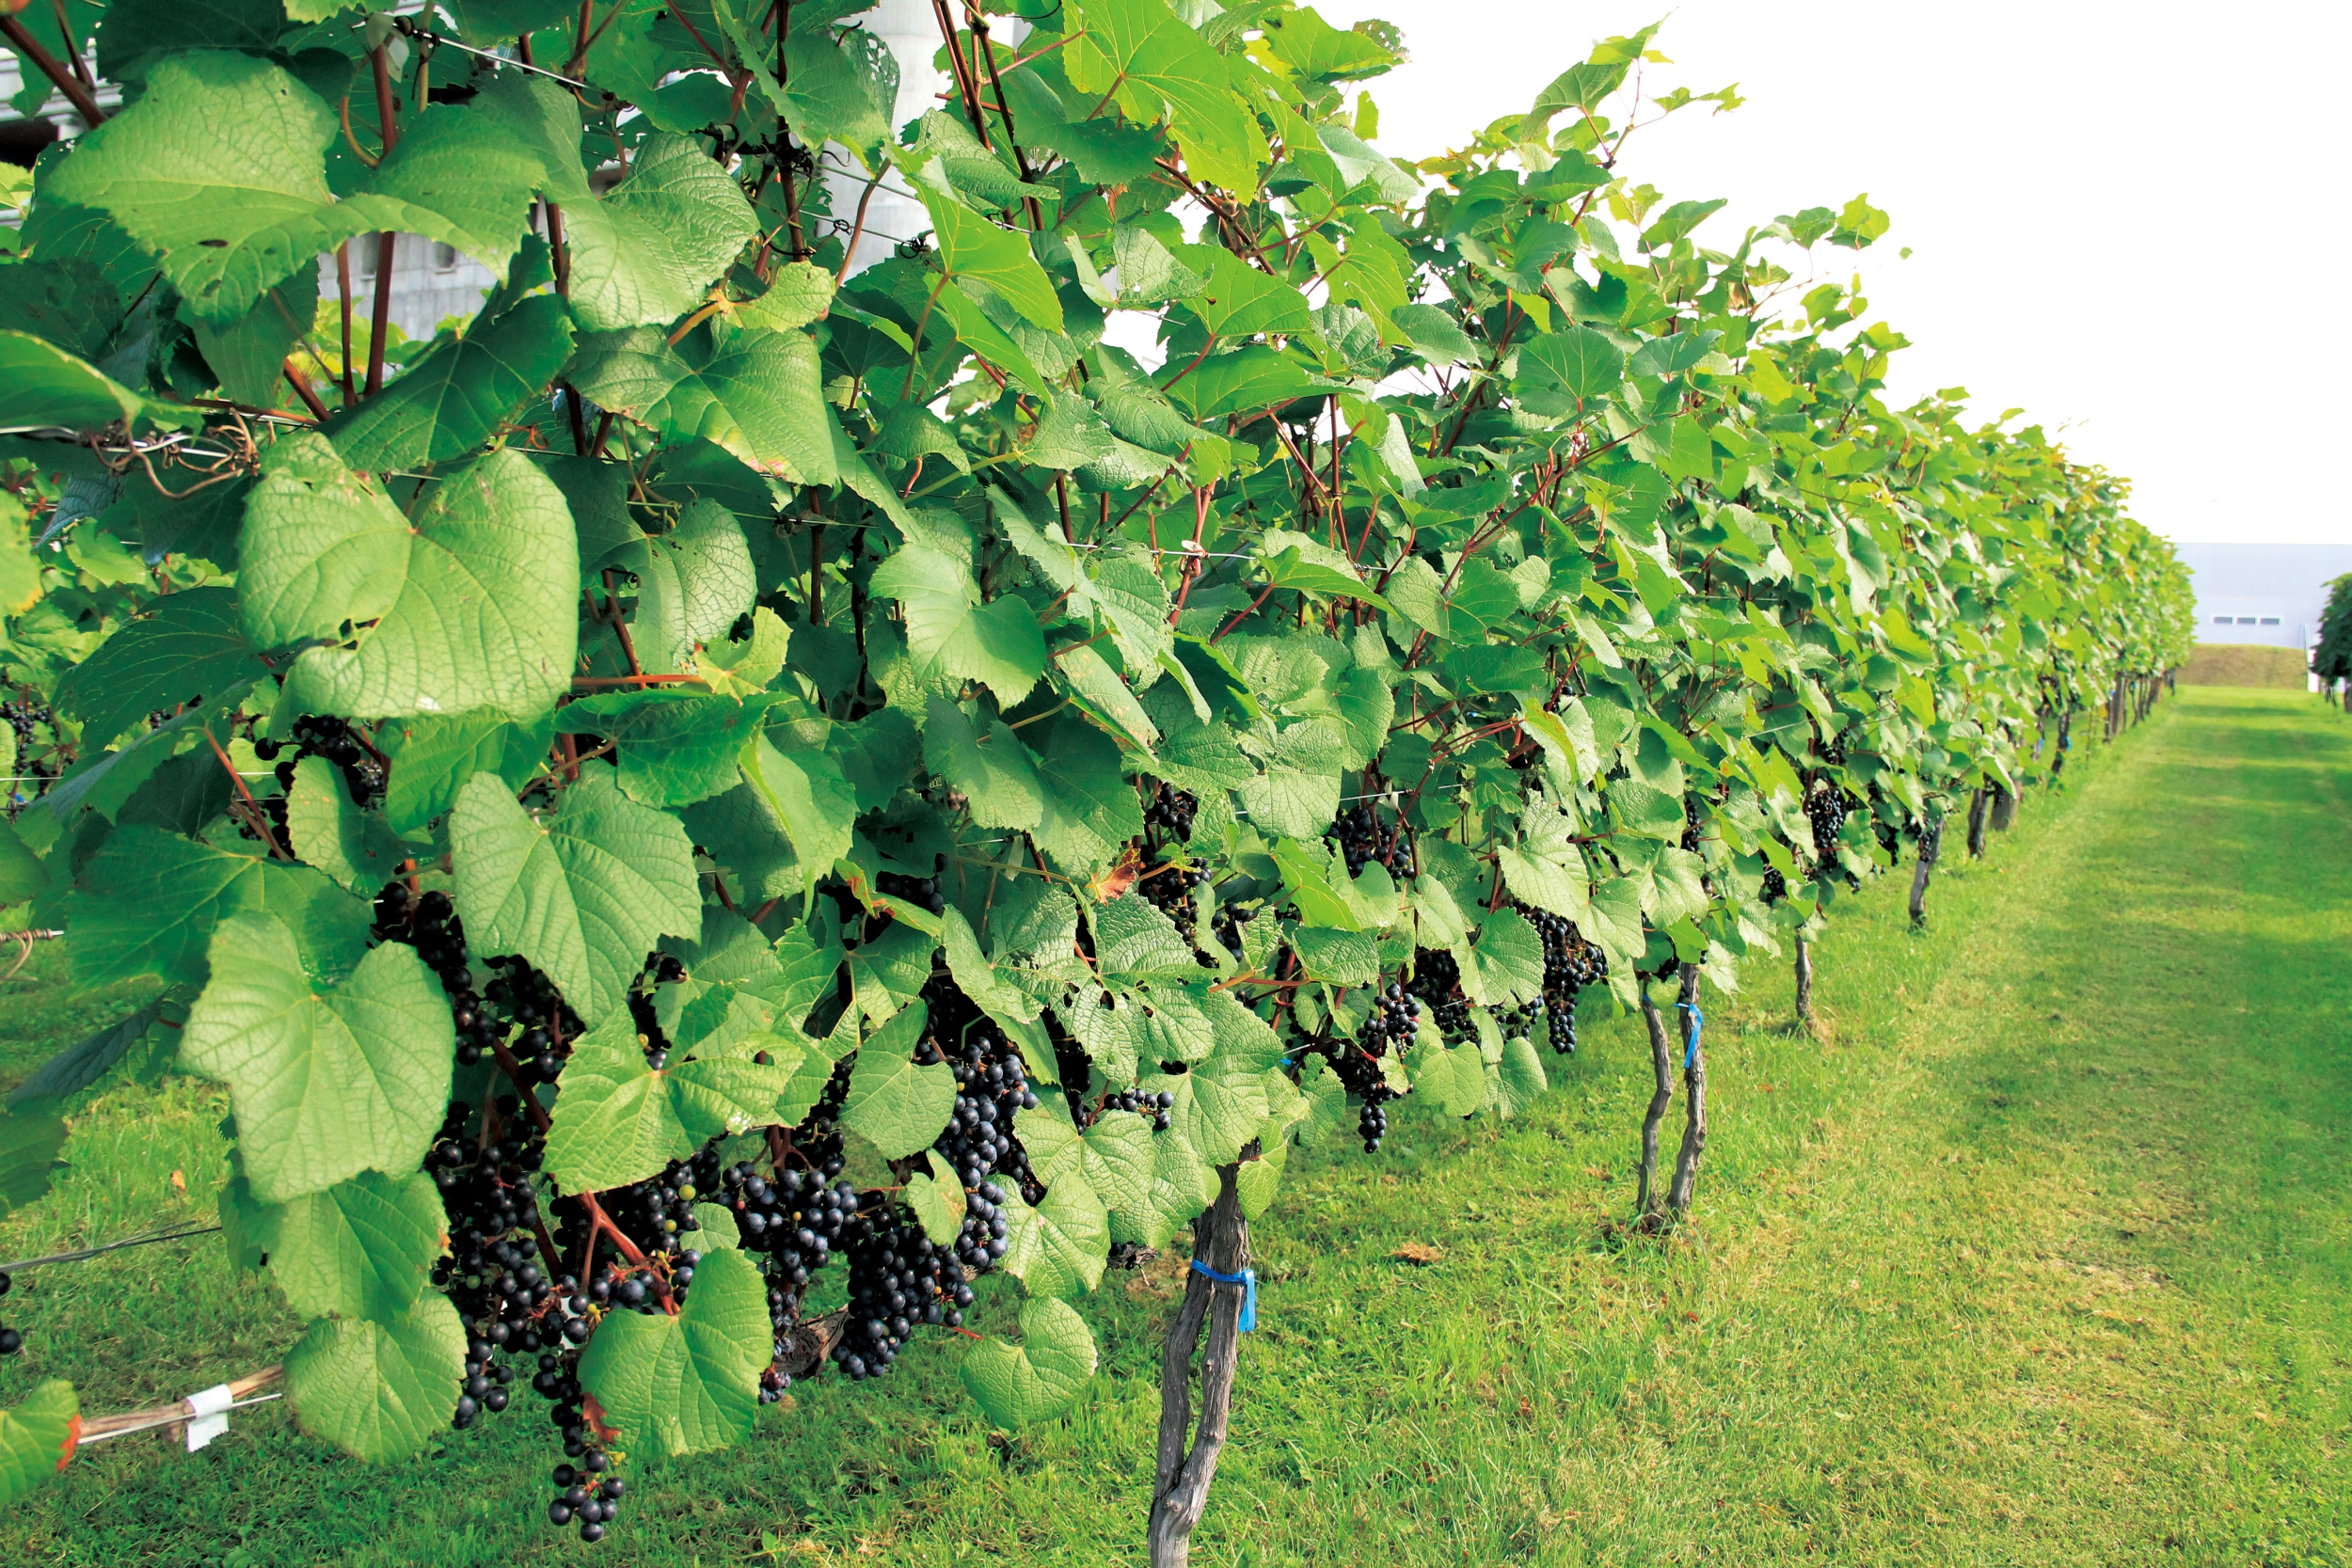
pixel 2041 1253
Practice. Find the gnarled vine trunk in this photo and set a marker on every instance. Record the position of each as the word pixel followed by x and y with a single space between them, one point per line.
pixel 1693 1096
pixel 1930 851
pixel 1180 1488
pixel 1976 804
pixel 1646 1196
pixel 1804 981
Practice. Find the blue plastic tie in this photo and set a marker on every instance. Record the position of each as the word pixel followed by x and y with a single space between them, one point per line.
pixel 1246 1280
pixel 1691 1051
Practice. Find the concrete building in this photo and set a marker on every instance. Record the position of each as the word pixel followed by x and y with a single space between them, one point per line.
pixel 2265 594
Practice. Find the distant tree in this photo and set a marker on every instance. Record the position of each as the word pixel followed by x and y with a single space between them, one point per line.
pixel 2333 660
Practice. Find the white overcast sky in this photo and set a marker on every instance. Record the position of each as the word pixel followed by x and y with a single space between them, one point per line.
pixel 2116 213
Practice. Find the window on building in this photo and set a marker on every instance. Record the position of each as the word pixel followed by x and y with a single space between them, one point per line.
pixel 444 258
pixel 2270 620
pixel 2221 620
pixel 2246 620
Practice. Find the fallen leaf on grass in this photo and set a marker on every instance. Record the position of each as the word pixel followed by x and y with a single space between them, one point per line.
pixel 1420 1253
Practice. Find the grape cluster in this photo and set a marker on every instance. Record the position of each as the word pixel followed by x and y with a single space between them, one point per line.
pixel 992 1086
pixel 1360 1075
pixel 586 1493
pixel 1156 1106
pixel 662 969
pixel 1827 808
pixel 922 891
pixel 11 1340
pixel 1393 1021
pixel 1775 885
pixel 1226 923
pixel 319 734
pixel 793 1222
pixel 493 1273
pixel 981 1239
pixel 1570 964
pixel 1168 888
pixel 1691 823
pixel 1436 980
pixel 1930 839
pixel 1173 810
pixel 28 719
pixel 897 1278
pixel 1362 840
pixel 543 1025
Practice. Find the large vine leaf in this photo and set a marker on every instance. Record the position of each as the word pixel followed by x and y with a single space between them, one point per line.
pixel 325 1085
pixel 584 894
pixel 188 646
pixel 36 1438
pixel 950 633
pixel 1058 1248
pixel 754 392
pixel 1016 1385
pixel 470 602
pixel 450 401
pixel 689 1384
pixel 379 1390
pixel 362 1248
pixel 115 934
pixel 894 1104
pixel 618 1119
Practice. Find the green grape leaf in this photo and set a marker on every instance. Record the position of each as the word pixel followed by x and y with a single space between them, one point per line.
pixel 988 767
pixel 86 1061
pixel 1091 808
pixel 22 874
pixel 972 247
pixel 645 252
pixel 323 1085
pixel 754 392
pixel 432 758
pixel 1335 957
pixel 584 894
pixel 1518 1081
pixel 115 934
pixel 688 1383
pixel 889 971
pixel 471 601
pixel 362 1248
pixel 676 748
pixel 807 793
pixel 1059 1247
pixel 1116 1156
pixel 249 355
pixel 1455 1077
pixel 38 1438
pixel 326 829
pixel 951 635
pixel 937 1199
pixel 895 1106
pixel 379 1390
pixel 455 398
pixel 31 1134
pixel 618 1120
pixel 1016 1385
pixel 45 387
pixel 189 645
pixel 692 583
pixel 800 293
pixel 1160 66
pixel 1136 939
pixel 1218 1107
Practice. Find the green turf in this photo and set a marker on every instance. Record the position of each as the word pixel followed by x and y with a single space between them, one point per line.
pixel 2038 1256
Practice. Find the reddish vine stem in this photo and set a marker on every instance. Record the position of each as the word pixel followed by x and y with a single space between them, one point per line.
pixel 28 47
pixel 253 809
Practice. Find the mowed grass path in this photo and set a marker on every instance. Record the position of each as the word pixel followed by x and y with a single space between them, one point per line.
pixel 2040 1254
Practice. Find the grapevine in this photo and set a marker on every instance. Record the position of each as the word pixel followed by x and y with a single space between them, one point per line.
pixel 773 743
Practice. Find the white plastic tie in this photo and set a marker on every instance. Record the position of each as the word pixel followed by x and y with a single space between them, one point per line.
pixel 211 1408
